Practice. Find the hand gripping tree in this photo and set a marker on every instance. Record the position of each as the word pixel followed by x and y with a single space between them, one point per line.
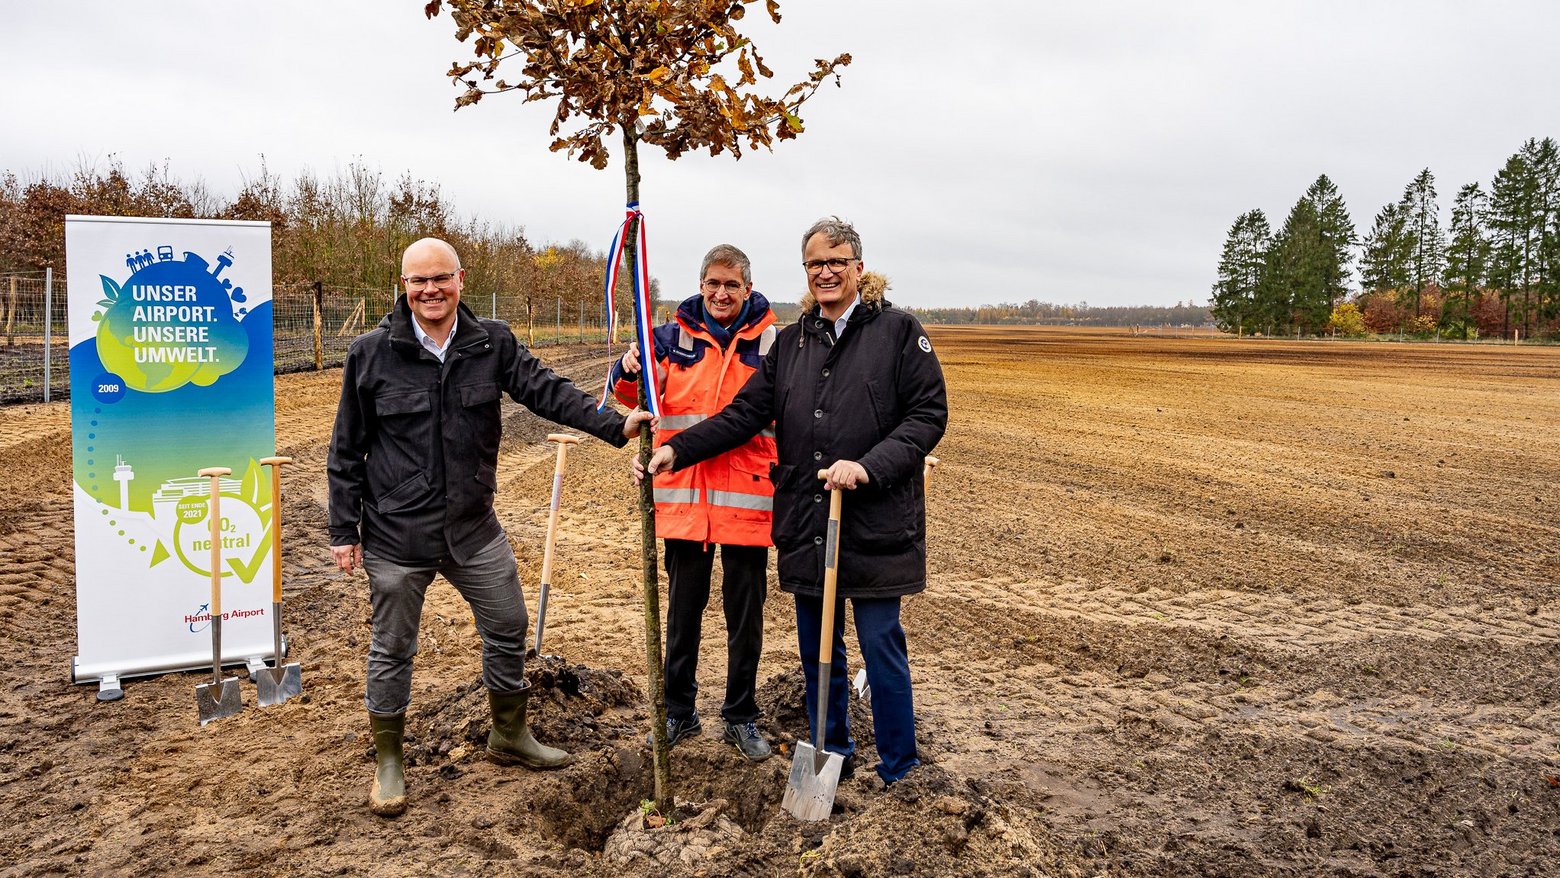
pixel 656 70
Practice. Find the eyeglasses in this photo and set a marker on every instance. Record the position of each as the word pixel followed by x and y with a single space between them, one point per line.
pixel 836 265
pixel 715 286
pixel 441 281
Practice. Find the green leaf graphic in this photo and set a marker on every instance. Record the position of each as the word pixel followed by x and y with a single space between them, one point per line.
pixel 110 289
pixel 105 303
pixel 250 490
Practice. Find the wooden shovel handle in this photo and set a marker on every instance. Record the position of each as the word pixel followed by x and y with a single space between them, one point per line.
pixel 831 560
pixel 564 441
pixel 275 463
pixel 214 513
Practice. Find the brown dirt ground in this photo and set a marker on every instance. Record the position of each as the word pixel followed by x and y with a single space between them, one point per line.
pixel 1197 607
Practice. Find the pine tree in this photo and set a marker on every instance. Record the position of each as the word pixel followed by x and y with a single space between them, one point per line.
pixel 1384 263
pixel 1467 257
pixel 1426 246
pixel 1293 293
pixel 1515 224
pixel 1240 272
pixel 1543 156
pixel 1336 229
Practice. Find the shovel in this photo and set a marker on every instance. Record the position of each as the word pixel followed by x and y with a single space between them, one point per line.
pixel 276 685
pixel 815 772
pixel 564 441
pixel 220 697
pixel 859 683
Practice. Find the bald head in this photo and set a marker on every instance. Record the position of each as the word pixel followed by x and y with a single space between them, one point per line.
pixel 425 247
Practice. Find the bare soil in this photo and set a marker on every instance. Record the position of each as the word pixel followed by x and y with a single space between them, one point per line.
pixel 1197 607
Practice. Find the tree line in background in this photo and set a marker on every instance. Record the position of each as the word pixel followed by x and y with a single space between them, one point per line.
pixel 1492 270
pixel 346 231
pixel 1081 314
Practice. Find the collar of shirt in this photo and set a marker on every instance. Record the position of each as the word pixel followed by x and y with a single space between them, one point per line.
pixel 427 341
pixel 839 325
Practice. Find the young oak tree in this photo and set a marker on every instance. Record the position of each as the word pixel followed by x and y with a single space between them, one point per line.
pixel 658 72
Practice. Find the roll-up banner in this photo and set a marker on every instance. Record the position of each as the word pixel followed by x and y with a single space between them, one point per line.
pixel 170 371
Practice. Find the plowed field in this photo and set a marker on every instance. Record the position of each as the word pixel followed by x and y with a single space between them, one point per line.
pixel 1197 607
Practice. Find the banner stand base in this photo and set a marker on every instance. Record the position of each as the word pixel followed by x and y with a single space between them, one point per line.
pixel 256 664
pixel 108 688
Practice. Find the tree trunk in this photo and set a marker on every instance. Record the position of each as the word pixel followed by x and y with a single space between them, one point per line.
pixel 648 559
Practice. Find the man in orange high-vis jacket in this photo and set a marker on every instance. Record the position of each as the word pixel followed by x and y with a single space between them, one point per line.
pixel 704 356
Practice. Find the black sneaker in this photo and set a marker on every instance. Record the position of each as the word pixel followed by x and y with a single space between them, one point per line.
pixel 848 767
pixel 748 740
pixel 676 730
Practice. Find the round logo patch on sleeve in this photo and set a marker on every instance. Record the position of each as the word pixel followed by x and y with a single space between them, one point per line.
pixel 926 344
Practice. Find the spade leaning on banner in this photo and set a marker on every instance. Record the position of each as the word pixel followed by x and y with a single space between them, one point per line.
pixel 170 338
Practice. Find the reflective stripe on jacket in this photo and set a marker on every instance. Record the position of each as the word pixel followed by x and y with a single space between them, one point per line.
pixel 728 499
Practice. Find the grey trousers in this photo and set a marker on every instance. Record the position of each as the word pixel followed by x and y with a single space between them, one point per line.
pixel 490 584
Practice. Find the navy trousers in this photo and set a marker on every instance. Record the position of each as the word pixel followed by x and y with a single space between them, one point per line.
pixel 882 641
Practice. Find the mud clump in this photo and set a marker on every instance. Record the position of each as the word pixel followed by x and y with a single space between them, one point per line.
pixel 693 833
pixel 570 707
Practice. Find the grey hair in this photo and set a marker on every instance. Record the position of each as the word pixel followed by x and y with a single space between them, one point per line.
pixel 727 254
pixel 836 231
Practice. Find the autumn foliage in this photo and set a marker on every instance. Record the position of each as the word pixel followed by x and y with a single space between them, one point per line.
pixel 678 72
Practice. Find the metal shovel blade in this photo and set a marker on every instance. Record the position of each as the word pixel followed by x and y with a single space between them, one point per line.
pixel 809 795
pixel 217 700
pixel 862 687
pixel 275 685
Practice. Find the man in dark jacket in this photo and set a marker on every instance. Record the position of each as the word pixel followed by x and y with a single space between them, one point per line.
pixel 413 469
pixel 853 388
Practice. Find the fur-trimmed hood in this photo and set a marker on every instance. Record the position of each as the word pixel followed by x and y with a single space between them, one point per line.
pixel 872 287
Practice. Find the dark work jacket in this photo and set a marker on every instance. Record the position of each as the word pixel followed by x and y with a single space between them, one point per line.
pixel 414 456
pixel 876 396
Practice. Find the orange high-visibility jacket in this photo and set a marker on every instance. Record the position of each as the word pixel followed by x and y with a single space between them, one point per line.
pixel 729 498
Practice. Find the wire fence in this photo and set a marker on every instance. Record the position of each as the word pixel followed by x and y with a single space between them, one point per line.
pixel 312 326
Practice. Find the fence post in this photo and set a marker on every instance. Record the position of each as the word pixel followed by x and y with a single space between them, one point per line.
pixel 48 326
pixel 558 323
pixel 582 323
pixel 319 341
pixel 10 315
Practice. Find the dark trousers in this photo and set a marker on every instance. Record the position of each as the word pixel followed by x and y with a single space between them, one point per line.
pixel 490 584
pixel 887 658
pixel 688 568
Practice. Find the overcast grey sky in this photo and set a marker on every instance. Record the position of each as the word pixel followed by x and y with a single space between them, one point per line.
pixel 988 152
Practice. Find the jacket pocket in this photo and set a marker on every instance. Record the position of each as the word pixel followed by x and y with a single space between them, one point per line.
pixel 405 494
pixel 882 410
pixel 877 521
pixel 487 476
pixel 748 481
pixel 478 394
pixel 391 404
pixel 792 511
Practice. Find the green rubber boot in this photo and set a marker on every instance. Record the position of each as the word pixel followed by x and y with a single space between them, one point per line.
pixel 388 796
pixel 511 743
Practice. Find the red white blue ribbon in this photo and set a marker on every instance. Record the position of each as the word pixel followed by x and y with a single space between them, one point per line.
pixel 643 315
